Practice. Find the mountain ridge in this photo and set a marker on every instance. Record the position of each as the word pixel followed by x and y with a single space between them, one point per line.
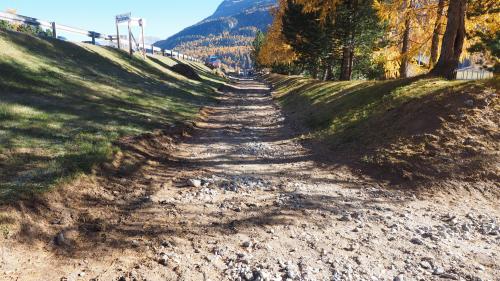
pixel 227 33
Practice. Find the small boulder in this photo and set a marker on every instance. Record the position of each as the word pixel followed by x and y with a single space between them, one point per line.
pixel 60 240
pixel 469 103
pixel 163 260
pixel 416 241
pixel 400 277
pixel 425 265
pixel 438 271
pixel 195 183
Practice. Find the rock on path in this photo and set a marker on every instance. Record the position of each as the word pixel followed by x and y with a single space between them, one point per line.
pixel 250 203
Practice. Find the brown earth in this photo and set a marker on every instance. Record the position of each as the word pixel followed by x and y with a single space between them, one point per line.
pixel 237 197
pixel 437 138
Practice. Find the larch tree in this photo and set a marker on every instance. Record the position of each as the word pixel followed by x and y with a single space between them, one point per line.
pixel 436 34
pixel 410 32
pixel 407 6
pixel 453 41
pixel 275 51
pixel 483 30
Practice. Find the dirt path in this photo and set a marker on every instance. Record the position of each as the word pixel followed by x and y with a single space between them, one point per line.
pixel 257 207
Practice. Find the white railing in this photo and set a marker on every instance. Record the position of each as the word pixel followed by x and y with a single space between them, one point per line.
pixel 55 27
pixel 473 74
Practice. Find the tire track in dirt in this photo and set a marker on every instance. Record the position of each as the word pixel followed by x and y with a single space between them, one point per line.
pixel 242 199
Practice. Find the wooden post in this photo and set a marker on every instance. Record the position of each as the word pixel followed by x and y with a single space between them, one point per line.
pixel 141 23
pixel 117 34
pixel 54 31
pixel 130 40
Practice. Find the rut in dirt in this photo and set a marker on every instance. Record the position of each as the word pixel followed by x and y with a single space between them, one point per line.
pixel 242 199
pixel 244 138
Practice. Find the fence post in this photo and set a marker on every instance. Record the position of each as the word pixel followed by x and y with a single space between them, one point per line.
pixel 141 23
pixel 130 40
pixel 54 31
pixel 117 34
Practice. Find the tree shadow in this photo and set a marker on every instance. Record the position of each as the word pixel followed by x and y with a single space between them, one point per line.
pixel 367 125
pixel 119 211
pixel 75 100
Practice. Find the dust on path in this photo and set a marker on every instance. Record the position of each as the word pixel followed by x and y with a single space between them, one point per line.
pixel 258 207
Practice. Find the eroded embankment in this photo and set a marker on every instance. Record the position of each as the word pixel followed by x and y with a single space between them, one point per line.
pixel 427 131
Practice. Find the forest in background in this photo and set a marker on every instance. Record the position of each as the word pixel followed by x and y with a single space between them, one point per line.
pixel 379 39
pixel 227 34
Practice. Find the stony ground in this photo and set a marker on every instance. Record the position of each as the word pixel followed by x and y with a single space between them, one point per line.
pixel 241 199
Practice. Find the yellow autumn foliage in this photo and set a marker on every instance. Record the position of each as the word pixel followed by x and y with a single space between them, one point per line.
pixel 275 50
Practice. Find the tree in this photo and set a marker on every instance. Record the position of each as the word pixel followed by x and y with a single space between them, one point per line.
pixel 256 48
pixel 356 34
pixel 276 52
pixel 304 33
pixel 414 30
pixel 328 45
pixel 405 49
pixel 483 30
pixel 436 34
pixel 453 41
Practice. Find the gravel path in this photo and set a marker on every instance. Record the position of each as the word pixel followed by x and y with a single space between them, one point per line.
pixel 249 203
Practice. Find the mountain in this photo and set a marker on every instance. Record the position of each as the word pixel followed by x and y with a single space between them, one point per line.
pixel 227 33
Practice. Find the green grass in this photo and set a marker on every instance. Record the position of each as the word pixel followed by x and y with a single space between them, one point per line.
pixel 339 111
pixel 406 128
pixel 62 105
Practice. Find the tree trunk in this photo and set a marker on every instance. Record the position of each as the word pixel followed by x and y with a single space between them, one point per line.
pixel 403 70
pixel 453 41
pixel 328 73
pixel 346 64
pixel 351 62
pixel 314 72
pixel 435 36
pixel 348 49
pixel 328 69
pixel 354 15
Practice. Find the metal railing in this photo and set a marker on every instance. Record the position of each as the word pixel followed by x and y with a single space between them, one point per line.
pixel 473 74
pixel 55 27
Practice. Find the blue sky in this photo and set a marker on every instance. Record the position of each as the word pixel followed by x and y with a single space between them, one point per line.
pixel 164 17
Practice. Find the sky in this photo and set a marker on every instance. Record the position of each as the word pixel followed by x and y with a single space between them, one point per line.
pixel 163 17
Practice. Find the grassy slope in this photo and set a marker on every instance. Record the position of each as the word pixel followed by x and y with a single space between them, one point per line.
pixel 401 129
pixel 62 105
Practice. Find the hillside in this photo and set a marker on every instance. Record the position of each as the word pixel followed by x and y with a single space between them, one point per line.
pixel 62 106
pixel 428 132
pixel 227 33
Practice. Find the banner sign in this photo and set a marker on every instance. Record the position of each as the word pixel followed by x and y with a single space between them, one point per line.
pixel 123 18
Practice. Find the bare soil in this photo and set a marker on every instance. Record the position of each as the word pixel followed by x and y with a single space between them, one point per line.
pixel 237 197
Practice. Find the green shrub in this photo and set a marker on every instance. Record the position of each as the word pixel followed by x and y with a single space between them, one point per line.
pixel 4 25
pixel 24 28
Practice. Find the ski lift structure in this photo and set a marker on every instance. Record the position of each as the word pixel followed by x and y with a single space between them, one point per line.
pixel 127 19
